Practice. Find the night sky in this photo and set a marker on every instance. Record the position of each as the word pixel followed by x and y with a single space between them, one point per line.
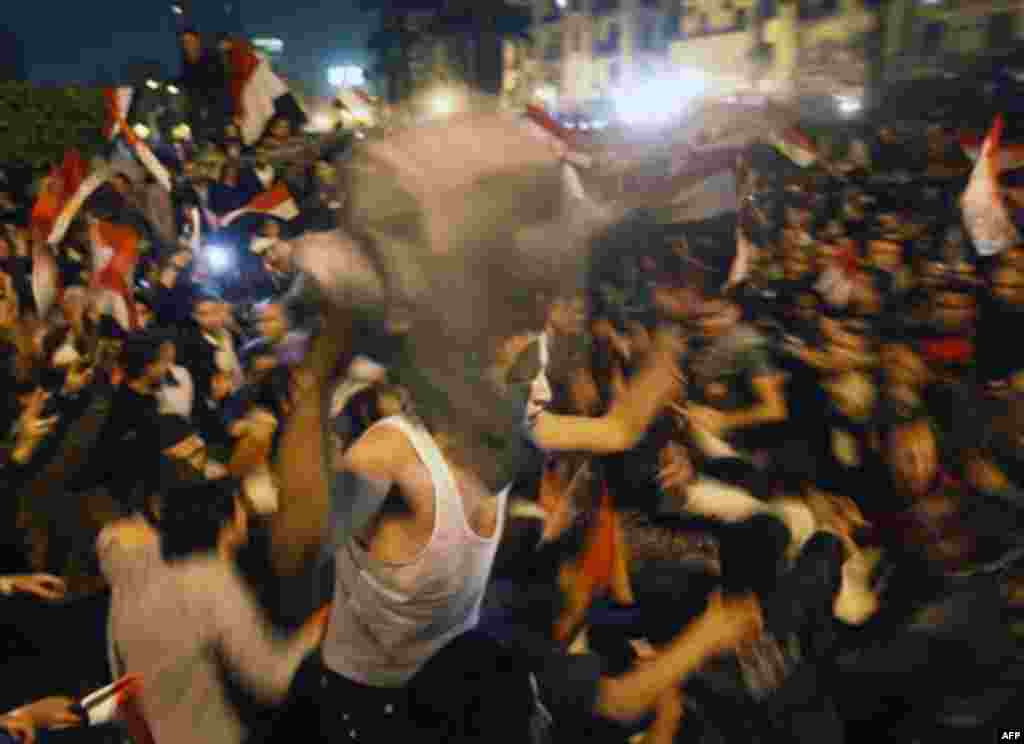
pixel 86 42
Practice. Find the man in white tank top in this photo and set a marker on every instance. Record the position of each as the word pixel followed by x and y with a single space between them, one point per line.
pixel 414 537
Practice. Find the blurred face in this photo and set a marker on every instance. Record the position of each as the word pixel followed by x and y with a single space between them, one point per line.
pixel 281 129
pixel 168 353
pixel 1008 285
pixel 272 323
pixel 566 315
pixel 914 457
pixel 211 316
pixel 954 311
pixel 886 255
pixel 903 366
pixel 717 317
pixel 192 46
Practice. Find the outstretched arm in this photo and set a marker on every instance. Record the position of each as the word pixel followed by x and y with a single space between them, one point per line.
pixel 631 413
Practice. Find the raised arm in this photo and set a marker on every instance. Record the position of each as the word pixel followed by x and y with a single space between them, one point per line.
pixel 304 464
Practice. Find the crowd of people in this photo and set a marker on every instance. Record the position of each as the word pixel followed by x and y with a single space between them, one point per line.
pixel 769 487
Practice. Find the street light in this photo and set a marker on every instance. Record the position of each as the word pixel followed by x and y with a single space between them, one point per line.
pixel 153 85
pixel 173 90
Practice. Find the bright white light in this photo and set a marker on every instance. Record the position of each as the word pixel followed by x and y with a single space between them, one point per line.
pixel 360 135
pixel 562 4
pixel 141 130
pixel 443 103
pixel 271 45
pixel 848 105
pixel 599 124
pixel 346 76
pixel 176 9
pixel 659 100
pixel 218 258
pixel 173 90
pixel 153 85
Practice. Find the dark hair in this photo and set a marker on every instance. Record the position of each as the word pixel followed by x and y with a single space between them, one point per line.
pixel 139 352
pixel 192 516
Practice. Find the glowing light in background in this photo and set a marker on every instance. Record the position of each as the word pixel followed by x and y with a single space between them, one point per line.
pixel 849 105
pixel 153 85
pixel 219 258
pixel 182 132
pixel 346 76
pixel 173 90
pixel 659 100
pixel 141 130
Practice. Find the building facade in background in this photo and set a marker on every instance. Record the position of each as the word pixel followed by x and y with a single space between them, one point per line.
pixel 587 51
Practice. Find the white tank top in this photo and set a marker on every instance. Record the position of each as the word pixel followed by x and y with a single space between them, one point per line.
pixel 389 619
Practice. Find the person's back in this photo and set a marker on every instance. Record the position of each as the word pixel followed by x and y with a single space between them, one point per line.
pixel 183 619
pixel 414 580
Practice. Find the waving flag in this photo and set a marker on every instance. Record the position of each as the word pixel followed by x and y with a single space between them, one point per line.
pixel 986 217
pixel 256 89
pixel 277 202
pixel 119 701
pixel 118 102
pixel 115 252
pixel 58 188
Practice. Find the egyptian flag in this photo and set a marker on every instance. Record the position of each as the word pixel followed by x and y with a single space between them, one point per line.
pixel 985 214
pixel 115 250
pixel 278 202
pixel 58 188
pixel 118 702
pixel 1011 157
pixel 118 102
pixel 257 92
pixel 795 146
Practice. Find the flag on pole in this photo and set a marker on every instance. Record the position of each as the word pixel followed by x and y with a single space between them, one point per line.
pixel 115 250
pixel 796 146
pixel 985 214
pixel 277 202
pixel 119 701
pixel 118 100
